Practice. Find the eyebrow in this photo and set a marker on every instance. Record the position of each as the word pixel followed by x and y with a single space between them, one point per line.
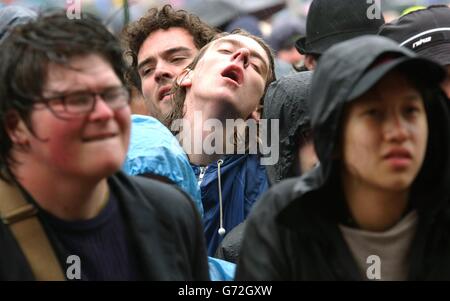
pixel 240 44
pixel 68 91
pixel 167 52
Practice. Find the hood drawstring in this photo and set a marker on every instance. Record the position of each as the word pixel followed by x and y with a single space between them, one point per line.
pixel 221 229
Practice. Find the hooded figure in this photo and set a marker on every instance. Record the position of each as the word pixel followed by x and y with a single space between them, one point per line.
pixel 311 228
pixel 242 177
pixel 286 100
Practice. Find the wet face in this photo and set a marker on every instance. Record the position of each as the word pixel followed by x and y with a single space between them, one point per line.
pixel 232 73
pixel 446 83
pixel 161 58
pixel 385 135
pixel 90 146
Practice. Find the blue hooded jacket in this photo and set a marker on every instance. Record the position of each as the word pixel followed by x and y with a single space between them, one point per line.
pixel 154 150
pixel 243 180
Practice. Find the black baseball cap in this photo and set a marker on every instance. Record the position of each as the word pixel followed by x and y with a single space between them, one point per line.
pixel 424 31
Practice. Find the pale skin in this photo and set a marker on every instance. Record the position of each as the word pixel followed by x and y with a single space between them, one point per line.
pixel 384 142
pixel 65 165
pixel 162 57
pixel 217 97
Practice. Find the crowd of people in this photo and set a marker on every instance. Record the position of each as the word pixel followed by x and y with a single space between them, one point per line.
pixel 143 156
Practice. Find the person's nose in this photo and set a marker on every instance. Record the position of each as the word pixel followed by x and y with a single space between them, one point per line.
pixel 101 110
pixel 163 73
pixel 396 128
pixel 242 55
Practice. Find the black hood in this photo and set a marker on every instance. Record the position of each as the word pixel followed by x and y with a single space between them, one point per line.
pixel 286 100
pixel 340 70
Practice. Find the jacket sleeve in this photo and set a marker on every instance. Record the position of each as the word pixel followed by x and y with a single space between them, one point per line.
pixel 262 256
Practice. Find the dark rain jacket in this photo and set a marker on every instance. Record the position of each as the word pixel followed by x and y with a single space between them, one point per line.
pixel 286 100
pixel 293 234
pixel 164 228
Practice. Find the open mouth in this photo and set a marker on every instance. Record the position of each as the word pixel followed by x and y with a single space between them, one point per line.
pixel 164 92
pixel 234 73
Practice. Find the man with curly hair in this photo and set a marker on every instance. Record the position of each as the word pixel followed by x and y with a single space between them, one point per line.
pixel 160 45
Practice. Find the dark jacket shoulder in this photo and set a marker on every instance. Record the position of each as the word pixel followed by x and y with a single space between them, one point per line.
pixel 167 228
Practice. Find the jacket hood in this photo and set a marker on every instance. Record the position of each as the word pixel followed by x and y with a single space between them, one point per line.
pixel 154 150
pixel 341 70
pixel 286 100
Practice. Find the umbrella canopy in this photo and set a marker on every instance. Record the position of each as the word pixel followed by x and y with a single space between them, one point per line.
pixel 214 12
pixel 259 8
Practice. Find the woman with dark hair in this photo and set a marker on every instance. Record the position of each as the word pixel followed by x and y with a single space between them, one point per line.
pixel 377 205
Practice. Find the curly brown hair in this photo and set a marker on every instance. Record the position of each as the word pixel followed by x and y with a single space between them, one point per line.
pixel 164 18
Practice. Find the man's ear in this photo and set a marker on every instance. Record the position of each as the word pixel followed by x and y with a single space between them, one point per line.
pixel 185 78
pixel 16 128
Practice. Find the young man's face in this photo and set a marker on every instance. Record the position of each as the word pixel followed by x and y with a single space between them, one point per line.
pixel 385 135
pixel 89 146
pixel 161 58
pixel 234 70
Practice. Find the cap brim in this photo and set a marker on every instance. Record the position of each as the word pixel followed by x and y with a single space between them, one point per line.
pixel 439 53
pixel 427 71
pixel 319 46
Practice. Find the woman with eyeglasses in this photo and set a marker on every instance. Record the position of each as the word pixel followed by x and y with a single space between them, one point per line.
pixel 68 212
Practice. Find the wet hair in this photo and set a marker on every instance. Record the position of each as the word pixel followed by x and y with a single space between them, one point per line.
pixel 179 95
pixel 25 57
pixel 155 19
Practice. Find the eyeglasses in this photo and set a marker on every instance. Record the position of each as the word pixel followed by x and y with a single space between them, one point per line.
pixel 82 103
